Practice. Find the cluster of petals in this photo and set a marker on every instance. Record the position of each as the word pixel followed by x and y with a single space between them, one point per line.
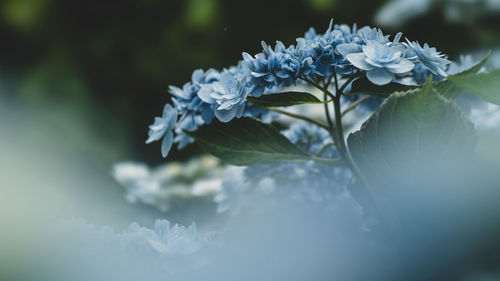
pixel 341 50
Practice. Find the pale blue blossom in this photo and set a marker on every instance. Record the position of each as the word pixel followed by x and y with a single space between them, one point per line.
pixel 192 110
pixel 277 67
pixel 228 94
pixel 381 62
pixel 322 50
pixel 373 34
pixel 433 60
pixel 162 128
pixel 187 102
pixel 357 38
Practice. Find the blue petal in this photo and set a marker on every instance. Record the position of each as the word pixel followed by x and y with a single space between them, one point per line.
pixel 155 135
pixel 166 144
pixel 177 92
pixel 182 139
pixel 380 76
pixel 246 56
pixel 197 75
pixel 359 61
pixel 258 75
pixel 207 114
pixel 205 94
pixel 408 81
pixel 228 115
pixel 402 67
pixel 434 68
pixel 345 49
pixel 170 116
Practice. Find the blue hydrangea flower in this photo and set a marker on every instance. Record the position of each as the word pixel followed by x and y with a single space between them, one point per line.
pixel 348 32
pixel 303 54
pixel 433 60
pixel 367 33
pixel 227 94
pixel 381 61
pixel 230 97
pixel 187 102
pixel 323 51
pixel 162 128
pixel 271 68
pixel 192 110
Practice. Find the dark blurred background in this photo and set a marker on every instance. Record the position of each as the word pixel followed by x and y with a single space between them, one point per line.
pixel 105 65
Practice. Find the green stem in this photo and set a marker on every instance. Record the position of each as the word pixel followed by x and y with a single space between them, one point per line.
pixel 331 127
pixel 337 133
pixel 342 89
pixel 298 116
pixel 346 155
pixel 338 127
pixel 354 104
pixel 324 147
pixel 342 146
pixel 329 161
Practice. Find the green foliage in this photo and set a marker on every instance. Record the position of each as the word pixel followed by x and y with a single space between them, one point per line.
pixel 483 85
pixel 476 67
pixel 412 135
pixel 247 141
pixel 451 90
pixel 284 99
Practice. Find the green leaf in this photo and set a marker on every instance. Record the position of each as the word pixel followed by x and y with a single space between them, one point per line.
pixel 283 99
pixel 450 90
pixel 476 67
pixel 483 85
pixel 413 135
pixel 364 86
pixel 246 141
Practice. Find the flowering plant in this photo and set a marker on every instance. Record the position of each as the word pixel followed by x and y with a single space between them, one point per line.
pixel 418 127
pixel 373 131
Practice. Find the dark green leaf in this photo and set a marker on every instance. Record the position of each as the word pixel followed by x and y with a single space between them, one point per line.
pixel 246 141
pixel 414 134
pixel 364 86
pixel 451 90
pixel 483 85
pixel 283 99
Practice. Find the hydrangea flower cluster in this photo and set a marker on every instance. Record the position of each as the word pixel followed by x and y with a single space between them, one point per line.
pixel 340 51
